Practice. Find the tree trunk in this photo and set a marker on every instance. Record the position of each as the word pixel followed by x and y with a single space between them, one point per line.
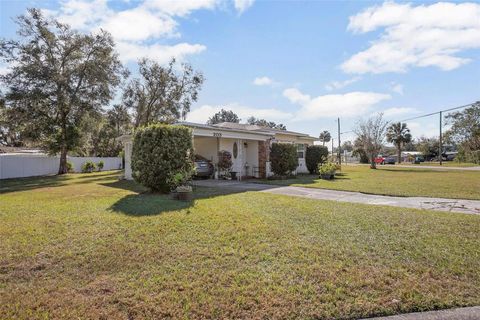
pixel 62 169
pixel 373 165
pixel 63 161
pixel 399 154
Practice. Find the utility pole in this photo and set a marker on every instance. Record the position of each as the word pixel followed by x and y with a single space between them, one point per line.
pixel 339 151
pixel 440 141
pixel 332 149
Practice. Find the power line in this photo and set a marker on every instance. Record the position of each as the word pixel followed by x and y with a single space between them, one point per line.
pixel 426 115
pixel 437 112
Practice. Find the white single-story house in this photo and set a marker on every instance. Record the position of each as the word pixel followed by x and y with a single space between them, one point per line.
pixel 248 144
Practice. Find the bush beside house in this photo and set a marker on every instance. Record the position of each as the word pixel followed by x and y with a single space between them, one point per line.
pixel 315 155
pixel 160 154
pixel 283 158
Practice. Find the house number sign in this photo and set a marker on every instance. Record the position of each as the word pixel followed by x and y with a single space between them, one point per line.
pixel 217 134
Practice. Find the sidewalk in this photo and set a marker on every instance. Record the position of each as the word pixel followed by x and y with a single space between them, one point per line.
pixel 438 204
pixel 472 313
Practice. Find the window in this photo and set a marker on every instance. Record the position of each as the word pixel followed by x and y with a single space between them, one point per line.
pixel 235 150
pixel 301 151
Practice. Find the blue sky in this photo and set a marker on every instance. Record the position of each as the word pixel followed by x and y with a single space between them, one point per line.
pixel 302 63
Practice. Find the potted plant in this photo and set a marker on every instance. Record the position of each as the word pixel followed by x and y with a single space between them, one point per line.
pixel 183 191
pixel 327 170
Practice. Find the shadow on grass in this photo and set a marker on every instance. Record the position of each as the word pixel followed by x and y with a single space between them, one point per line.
pixel 145 203
pixel 25 184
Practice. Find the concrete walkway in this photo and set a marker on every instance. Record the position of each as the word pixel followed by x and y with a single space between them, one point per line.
pixel 438 204
pixel 472 313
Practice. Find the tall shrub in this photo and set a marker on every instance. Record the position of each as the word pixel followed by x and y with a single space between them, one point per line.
pixel 315 155
pixel 161 152
pixel 283 158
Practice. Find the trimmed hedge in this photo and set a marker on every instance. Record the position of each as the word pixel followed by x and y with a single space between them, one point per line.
pixel 160 154
pixel 315 155
pixel 283 158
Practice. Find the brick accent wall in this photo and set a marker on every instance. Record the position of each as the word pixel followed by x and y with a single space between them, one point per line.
pixel 263 157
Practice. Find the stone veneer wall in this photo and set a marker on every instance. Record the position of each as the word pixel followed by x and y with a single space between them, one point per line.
pixel 263 157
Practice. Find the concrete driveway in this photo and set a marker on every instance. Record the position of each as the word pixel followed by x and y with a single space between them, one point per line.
pixel 437 204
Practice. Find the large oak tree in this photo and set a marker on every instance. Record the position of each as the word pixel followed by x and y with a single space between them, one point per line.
pixel 162 93
pixel 58 76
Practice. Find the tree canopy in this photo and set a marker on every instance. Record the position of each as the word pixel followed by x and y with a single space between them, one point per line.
pixel 399 134
pixel 223 116
pixel 161 93
pixel 267 124
pixel 325 137
pixel 371 135
pixel 465 128
pixel 57 77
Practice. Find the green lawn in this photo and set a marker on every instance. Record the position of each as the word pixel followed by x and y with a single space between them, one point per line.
pixel 444 164
pixel 89 246
pixel 396 181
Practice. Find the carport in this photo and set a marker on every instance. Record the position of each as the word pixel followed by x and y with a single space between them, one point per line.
pixel 248 149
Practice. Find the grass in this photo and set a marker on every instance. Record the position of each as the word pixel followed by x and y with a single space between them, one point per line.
pixel 89 246
pixel 444 164
pixel 396 181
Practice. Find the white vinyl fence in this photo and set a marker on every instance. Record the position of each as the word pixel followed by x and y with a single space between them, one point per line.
pixel 29 165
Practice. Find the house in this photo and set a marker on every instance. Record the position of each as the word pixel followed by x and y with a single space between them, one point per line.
pixel 248 144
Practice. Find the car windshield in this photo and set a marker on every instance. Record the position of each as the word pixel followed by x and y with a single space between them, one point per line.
pixel 200 158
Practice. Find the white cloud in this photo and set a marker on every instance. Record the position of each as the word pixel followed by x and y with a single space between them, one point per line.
pixel 295 96
pixel 242 5
pixel 333 105
pixel 415 36
pixel 138 29
pixel 398 88
pixel 418 129
pixel 340 84
pixel 131 51
pixel 203 113
pixel 398 111
pixel 81 14
pixel 181 8
pixel 139 24
pixel 263 81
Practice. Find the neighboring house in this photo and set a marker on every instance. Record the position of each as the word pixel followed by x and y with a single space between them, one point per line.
pixel 248 144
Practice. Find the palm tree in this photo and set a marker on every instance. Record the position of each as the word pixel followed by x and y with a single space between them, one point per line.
pixel 325 137
pixel 399 135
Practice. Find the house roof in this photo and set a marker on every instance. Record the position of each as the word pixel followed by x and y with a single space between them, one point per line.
pixel 239 128
pixel 256 128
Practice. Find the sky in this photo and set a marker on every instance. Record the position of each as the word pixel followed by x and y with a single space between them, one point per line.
pixel 301 63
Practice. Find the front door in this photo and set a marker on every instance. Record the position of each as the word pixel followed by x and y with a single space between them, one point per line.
pixel 238 157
